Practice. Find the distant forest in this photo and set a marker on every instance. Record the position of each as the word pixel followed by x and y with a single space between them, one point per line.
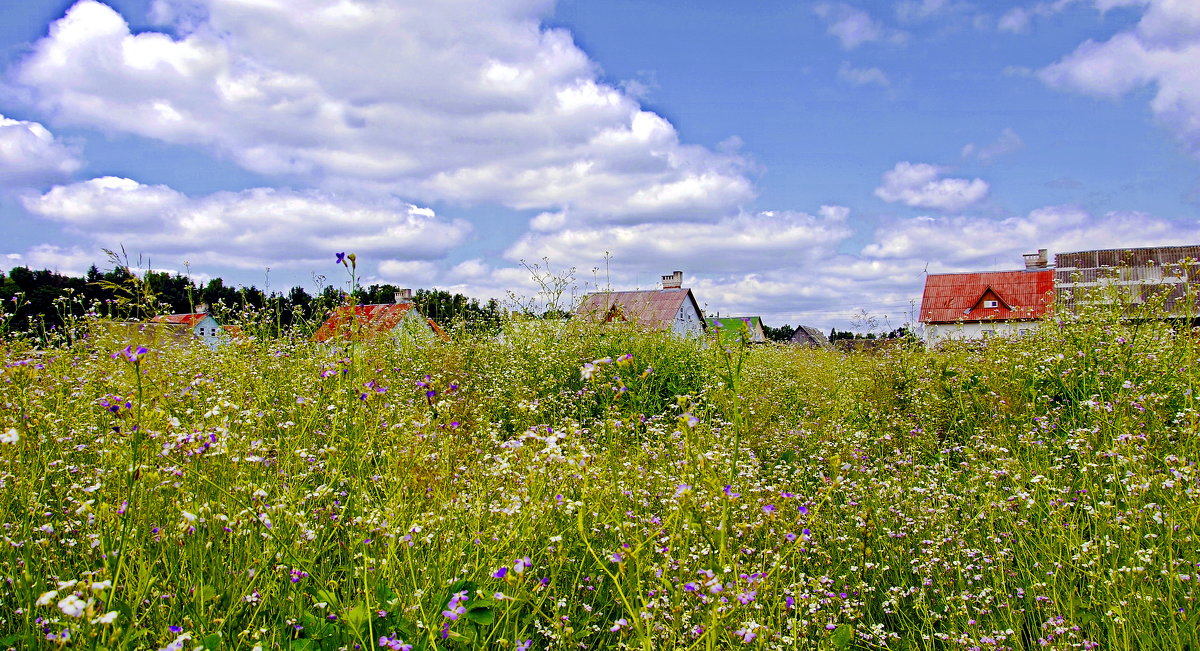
pixel 41 302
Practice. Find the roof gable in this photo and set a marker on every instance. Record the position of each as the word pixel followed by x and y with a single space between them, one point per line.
pixel 1020 295
pixel 189 320
pixel 364 321
pixel 651 308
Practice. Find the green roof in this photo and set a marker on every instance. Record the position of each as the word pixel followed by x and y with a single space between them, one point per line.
pixel 730 329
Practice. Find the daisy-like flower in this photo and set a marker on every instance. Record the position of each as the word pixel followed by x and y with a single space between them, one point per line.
pixel 106 618
pixel 73 606
pixel 47 598
pixel 10 436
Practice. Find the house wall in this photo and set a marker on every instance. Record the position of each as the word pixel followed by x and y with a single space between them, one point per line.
pixel 209 332
pixel 935 333
pixel 413 328
pixel 688 322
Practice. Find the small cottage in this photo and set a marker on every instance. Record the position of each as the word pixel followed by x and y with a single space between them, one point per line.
pixel 730 329
pixel 201 325
pixel 673 308
pixel 984 304
pixel 400 321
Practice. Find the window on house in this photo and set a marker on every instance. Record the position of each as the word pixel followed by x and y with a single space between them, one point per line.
pixel 991 303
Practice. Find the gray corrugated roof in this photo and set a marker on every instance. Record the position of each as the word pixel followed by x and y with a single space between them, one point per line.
pixel 810 336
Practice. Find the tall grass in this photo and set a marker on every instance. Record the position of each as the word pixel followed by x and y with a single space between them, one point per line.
pixel 566 486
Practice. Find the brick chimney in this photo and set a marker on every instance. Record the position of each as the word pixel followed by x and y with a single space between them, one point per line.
pixel 673 281
pixel 1039 260
pixel 404 296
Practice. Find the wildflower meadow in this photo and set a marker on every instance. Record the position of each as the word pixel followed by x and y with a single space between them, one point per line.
pixel 569 486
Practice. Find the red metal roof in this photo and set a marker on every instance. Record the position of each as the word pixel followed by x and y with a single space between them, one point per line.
pixel 652 308
pixel 369 321
pixel 1020 295
pixel 189 320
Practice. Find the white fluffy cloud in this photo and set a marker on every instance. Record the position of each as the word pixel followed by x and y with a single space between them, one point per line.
pixel 971 243
pixel 464 101
pixel 851 25
pixel 862 76
pixel 1162 51
pixel 31 156
pixel 66 260
pixel 250 229
pixel 921 185
pixel 756 241
pixel 1007 143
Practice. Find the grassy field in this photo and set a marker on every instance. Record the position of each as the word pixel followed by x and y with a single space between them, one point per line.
pixel 566 487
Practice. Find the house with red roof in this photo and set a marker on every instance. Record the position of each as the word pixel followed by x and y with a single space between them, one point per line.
pixel 990 303
pixel 399 320
pixel 201 325
pixel 673 308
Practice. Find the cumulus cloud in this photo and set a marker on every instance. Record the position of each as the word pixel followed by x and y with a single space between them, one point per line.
pixel 65 260
pixel 972 243
pixel 248 229
pixel 862 76
pixel 1162 51
pixel 463 101
pixel 754 241
pixel 31 156
pixel 921 185
pixel 853 26
pixel 1007 143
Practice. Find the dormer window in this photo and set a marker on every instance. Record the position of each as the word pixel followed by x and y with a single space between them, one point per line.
pixel 991 303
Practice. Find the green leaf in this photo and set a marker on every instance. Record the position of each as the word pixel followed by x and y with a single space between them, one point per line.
pixel 842 636
pixel 208 593
pixel 357 617
pixel 303 644
pixel 482 615
pixel 385 594
pixel 211 641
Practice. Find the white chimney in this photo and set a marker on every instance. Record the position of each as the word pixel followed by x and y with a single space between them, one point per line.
pixel 673 281
pixel 404 296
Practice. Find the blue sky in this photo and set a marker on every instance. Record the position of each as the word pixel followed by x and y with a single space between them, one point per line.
pixel 803 161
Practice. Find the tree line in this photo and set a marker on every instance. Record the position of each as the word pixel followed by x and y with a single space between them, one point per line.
pixel 40 302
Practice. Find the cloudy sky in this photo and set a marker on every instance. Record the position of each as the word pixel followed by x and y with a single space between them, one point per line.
pixel 803 161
